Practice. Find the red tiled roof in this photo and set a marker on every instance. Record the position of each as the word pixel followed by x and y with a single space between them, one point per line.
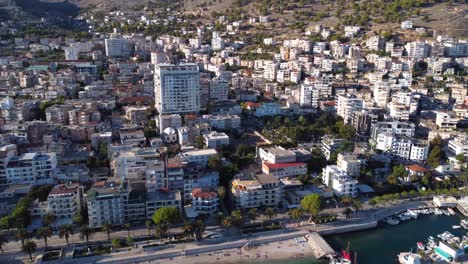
pixel 198 193
pixel 284 165
pixel 417 168
pixel 252 104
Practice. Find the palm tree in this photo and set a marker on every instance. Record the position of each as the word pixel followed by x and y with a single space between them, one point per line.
pixel 107 227
pixel 346 200
pixel 22 234
pixel 86 233
pixel 65 231
pixel 221 192
pixel 188 229
pixel 127 227
pixel 29 247
pixel 3 240
pixel 227 222
pixel 296 214
pixel 237 217
pixel 79 220
pixel 357 204
pixel 48 219
pixel 199 228
pixel 347 212
pixel 148 225
pixel 161 230
pixel 253 213
pixel 44 233
pixel 270 212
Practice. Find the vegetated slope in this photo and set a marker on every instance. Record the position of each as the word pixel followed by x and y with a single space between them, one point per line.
pixel 443 15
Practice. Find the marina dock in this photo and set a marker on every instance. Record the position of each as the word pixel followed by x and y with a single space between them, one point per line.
pixel 319 246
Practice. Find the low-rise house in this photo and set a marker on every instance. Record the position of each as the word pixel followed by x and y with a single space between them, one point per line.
pixel 338 180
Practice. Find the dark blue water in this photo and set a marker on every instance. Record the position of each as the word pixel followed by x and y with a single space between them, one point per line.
pixel 382 245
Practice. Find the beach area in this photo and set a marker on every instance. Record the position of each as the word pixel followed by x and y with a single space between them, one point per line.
pixel 270 252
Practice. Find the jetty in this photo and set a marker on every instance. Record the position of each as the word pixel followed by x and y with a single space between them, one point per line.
pixel 319 246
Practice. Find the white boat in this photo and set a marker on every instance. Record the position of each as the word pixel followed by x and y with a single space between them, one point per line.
pixel 340 261
pixel 451 211
pixel 420 245
pixel 431 238
pixel 392 221
pixel 456 227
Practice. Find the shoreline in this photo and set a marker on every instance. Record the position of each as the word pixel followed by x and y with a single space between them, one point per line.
pixel 263 253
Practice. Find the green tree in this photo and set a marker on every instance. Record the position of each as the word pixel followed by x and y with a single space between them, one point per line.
pixel 312 204
pixel 127 227
pixel 237 217
pixel 200 142
pixel 188 229
pixel 3 240
pixel 346 200
pixel 29 248
pixel 48 219
pixel 22 234
pixel 435 156
pixel 227 222
pixel 148 226
pixel 199 228
pixel 397 172
pixel 86 233
pixel 116 243
pixel 107 227
pixel 295 214
pixel 270 212
pixel 460 158
pixel 356 204
pixel 164 217
pixel 253 213
pixel 347 212
pixel 129 241
pixel 44 233
pixel 65 231
pixel 79 220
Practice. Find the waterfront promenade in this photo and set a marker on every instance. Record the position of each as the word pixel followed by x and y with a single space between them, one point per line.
pixel 365 219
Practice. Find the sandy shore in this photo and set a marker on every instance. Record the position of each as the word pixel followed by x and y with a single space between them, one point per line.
pixel 288 249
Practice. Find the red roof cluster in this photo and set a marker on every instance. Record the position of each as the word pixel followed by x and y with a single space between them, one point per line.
pixel 417 168
pixel 199 193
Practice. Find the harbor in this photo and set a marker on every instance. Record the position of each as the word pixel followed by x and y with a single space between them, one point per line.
pixel 385 243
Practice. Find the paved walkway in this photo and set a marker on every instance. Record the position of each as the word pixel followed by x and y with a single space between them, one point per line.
pixel 12 250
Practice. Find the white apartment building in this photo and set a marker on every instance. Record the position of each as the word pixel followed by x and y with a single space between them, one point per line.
pixel 155 176
pixel 268 109
pixel 217 43
pixel 177 88
pixel 162 198
pixel 65 201
pixel 419 150
pixel 216 139
pixel 276 155
pixel 375 43
pixel 200 156
pixel 31 168
pixel 310 95
pixel 349 163
pixel 72 53
pixel 204 201
pixel 459 145
pixel 105 205
pixel 397 128
pixel 7 152
pixel 407 24
pixel 381 92
pixel 347 106
pixel 446 120
pixel 282 170
pixel 417 50
pixel 218 90
pixel 256 191
pixel 118 47
pixel 223 122
pixel 339 181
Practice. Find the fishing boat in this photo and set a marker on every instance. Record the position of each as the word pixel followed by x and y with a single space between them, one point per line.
pixel 456 227
pixel 340 261
pixel 392 221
